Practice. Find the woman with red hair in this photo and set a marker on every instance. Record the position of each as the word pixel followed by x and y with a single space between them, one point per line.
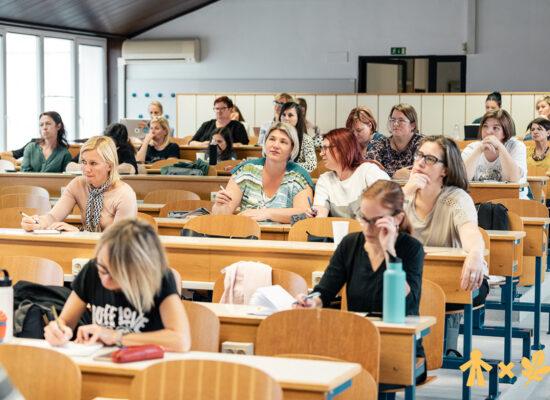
pixel 338 192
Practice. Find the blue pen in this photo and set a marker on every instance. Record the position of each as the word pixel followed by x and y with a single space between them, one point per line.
pixel 311 206
pixel 311 296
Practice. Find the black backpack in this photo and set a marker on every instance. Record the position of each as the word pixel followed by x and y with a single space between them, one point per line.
pixel 492 216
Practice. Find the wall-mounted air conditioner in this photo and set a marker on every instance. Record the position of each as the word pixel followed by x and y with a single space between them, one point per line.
pixel 143 51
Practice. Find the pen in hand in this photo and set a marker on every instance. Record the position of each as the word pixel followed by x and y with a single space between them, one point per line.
pixel 309 297
pixel 222 188
pixel 28 216
pixel 314 211
pixel 56 318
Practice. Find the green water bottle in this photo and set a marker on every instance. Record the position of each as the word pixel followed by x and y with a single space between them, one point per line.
pixel 393 306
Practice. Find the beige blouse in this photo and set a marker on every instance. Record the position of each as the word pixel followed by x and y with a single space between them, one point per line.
pixel 117 203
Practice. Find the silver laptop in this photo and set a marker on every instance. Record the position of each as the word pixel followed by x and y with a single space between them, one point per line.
pixel 137 128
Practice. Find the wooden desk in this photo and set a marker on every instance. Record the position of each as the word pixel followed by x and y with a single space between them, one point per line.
pixel 142 184
pixel 538 185
pixel 299 379
pixel 506 249
pixel 242 152
pixel 396 347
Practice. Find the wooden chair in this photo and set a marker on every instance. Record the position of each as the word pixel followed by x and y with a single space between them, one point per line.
pixel 33 269
pixel 524 208
pixel 205 327
pixel 164 196
pixel 290 281
pixel 225 225
pixel 148 218
pixel 16 189
pixel 181 141
pixel 25 200
pixel 185 205
pixel 40 373
pixel 227 165
pixel 318 227
pixel 187 139
pixel 170 161
pixel 203 380
pixel 11 217
pixel 362 387
pixel 322 332
pixel 321 169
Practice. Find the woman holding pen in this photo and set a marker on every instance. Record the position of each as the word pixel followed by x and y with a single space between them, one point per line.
pixel 270 188
pixel 338 191
pixel 100 194
pixel 132 293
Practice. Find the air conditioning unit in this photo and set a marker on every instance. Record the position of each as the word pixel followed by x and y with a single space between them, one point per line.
pixel 145 51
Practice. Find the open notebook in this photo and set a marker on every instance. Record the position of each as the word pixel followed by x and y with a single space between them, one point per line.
pixel 271 299
pixel 70 349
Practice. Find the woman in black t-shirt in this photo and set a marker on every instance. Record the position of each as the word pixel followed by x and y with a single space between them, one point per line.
pixel 132 293
pixel 156 145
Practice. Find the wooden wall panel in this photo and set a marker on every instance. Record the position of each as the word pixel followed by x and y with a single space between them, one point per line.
pixel 454 109
pixel 205 109
pixel 264 108
pixel 325 109
pixel 475 107
pixel 523 111
pixel 186 115
pixel 432 115
pixel 246 104
pixel 344 104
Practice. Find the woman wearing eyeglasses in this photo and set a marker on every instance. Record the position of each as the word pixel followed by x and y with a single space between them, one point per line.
pixel 497 156
pixel 442 213
pixel 396 153
pixel 223 108
pixel 338 192
pixel 131 291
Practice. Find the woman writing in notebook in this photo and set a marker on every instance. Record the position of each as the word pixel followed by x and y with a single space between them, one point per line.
pixel 270 188
pixel 132 293
pixel 100 194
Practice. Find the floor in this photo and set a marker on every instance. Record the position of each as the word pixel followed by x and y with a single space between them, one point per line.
pixel 448 384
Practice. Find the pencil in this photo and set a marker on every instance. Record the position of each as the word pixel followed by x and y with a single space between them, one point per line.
pixel 222 188
pixel 28 216
pixel 56 318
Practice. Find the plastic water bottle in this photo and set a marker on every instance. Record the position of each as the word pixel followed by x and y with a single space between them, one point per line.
pixel 456 133
pixel 6 308
pixel 393 307
pixel 213 153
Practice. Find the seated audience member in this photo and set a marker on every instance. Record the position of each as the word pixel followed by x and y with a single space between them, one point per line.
pixel 155 109
pixel 130 281
pixel 493 102
pixel 99 193
pixel 291 113
pixel 442 214
pixel 396 153
pixel 223 107
pixel 156 145
pixel 360 259
pixel 50 153
pixel 270 188
pixel 537 155
pixel 543 109
pixel 497 156
pixel 236 115
pixel 126 152
pixel 363 125
pixel 278 103
pixel 312 130
pixel 338 192
pixel 222 138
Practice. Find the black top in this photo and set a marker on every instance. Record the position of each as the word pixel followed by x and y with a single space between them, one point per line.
pixel 19 152
pixel 112 310
pixel 350 265
pixel 238 133
pixel 170 151
pixel 125 155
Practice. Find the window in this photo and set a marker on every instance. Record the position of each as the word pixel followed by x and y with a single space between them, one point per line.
pixel 50 71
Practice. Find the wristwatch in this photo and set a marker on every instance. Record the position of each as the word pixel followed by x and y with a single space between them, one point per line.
pixel 119 334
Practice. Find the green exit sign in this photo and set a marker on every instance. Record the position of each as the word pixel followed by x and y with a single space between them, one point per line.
pixel 398 51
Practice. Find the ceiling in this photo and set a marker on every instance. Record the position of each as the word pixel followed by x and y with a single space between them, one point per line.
pixel 108 18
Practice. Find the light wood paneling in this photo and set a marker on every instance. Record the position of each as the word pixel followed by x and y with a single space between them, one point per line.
pixel 326 112
pixel 507 102
pixel 523 111
pixel 186 117
pixel 311 109
pixel 454 108
pixel 246 104
pixel 204 112
pixel 385 103
pixel 475 107
pixel 264 109
pixel 344 104
pixel 432 115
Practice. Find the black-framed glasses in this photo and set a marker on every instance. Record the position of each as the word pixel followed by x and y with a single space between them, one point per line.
pixel 324 149
pixel 428 159
pixel 372 222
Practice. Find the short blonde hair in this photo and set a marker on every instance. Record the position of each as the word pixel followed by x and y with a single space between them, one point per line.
pixel 137 261
pixel 157 104
pixel 284 96
pixel 106 148
pixel 292 134
pixel 163 122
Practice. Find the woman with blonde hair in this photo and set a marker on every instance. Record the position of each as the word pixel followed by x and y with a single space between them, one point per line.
pixel 543 109
pixel 156 145
pixel 99 193
pixel 132 293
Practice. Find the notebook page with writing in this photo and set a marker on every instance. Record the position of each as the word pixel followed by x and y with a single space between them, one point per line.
pixel 273 298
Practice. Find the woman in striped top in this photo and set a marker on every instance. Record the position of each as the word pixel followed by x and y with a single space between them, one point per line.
pixel 270 188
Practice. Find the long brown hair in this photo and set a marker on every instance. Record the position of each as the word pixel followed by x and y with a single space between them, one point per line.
pixel 456 170
pixel 390 195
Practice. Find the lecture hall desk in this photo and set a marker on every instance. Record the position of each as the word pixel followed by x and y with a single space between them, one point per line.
pixel 396 347
pixel 299 379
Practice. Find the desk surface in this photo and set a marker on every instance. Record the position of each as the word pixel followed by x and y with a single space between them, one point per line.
pixel 310 375
pixel 505 235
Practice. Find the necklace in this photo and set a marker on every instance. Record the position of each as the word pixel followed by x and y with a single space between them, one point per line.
pixel 542 156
